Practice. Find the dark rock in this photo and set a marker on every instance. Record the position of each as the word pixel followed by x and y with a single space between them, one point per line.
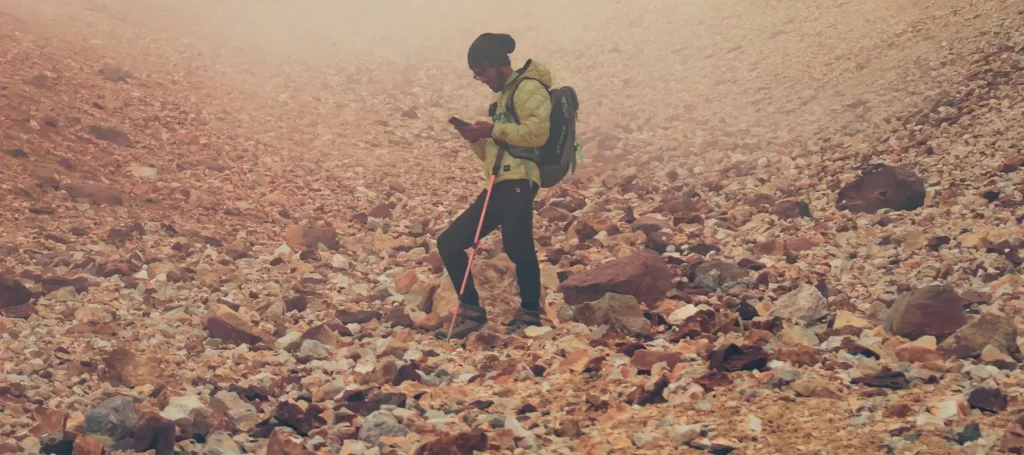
pixel 111 135
pixel 883 187
pixel 643 275
pixel 302 421
pixel 398 318
pixel 894 380
pixel 738 358
pixel 297 303
pixel 357 317
pixel 12 292
pixel 703 249
pixel 114 417
pixel 381 211
pixel 17 153
pixel 931 310
pixel 971 433
pixel 991 400
pixel 155 433
pixel 789 209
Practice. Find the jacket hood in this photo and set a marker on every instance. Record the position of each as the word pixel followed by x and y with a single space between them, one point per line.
pixel 533 70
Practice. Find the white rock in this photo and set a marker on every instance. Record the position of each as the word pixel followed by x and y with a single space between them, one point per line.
pixel 683 434
pixel 754 425
pixel 805 304
pixel 680 315
pixel 538 332
pixel 178 408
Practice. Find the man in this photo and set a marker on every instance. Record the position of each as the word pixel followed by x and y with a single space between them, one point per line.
pixel 516 183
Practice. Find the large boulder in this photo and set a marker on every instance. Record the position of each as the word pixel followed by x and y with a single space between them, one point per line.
pixel 621 312
pixel 883 187
pixel 931 310
pixel 643 275
pixel 988 329
pixel 114 418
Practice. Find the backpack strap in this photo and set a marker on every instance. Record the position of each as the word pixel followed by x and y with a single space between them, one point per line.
pixel 510 106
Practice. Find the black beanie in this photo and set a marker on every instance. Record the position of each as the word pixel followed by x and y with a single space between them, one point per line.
pixel 491 49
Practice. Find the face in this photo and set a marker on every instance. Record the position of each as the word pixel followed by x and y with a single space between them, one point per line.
pixel 489 76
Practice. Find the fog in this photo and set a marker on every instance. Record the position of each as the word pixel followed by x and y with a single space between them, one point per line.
pixel 777 74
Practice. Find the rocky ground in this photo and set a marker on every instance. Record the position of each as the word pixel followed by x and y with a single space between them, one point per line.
pixel 797 230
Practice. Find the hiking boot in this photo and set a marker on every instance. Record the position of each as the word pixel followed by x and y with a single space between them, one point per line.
pixel 522 320
pixel 471 319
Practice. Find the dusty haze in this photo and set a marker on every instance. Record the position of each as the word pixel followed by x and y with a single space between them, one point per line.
pixel 242 234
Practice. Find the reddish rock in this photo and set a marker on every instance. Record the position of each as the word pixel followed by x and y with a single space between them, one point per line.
pixel 738 358
pixel 222 322
pixel 405 282
pixel 481 341
pixel 19 311
pixel 284 441
pixel 327 236
pixel 93 193
pixel 12 292
pixel 931 310
pixel 467 443
pixel 1012 164
pixel 435 262
pixel 645 359
pixel 643 275
pixel 381 211
pixel 789 209
pixel 555 214
pixel 86 445
pixel 883 187
pixel 125 367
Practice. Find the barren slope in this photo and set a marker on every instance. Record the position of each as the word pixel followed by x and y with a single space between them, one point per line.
pixel 282 172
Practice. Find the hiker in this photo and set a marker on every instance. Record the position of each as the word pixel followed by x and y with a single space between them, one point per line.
pixel 516 180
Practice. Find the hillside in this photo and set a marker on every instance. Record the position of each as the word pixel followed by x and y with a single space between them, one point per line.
pixel 220 225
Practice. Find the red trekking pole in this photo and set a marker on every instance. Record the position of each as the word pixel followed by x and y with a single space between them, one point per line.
pixel 476 239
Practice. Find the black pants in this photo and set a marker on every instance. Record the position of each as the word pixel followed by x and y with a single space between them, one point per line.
pixel 511 208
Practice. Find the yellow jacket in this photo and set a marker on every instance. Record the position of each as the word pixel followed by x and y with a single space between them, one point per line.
pixel 533 108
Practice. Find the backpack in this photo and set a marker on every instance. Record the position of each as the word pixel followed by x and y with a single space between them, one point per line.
pixel 559 154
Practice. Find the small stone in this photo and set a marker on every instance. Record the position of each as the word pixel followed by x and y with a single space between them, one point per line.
pixel 224 323
pixel 111 135
pixel 949 408
pixel 645 359
pixel 380 424
pixel 754 425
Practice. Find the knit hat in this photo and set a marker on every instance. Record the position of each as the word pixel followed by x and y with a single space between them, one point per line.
pixel 491 49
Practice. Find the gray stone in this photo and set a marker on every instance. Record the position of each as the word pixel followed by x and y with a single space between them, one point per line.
pixel 622 312
pixel 114 417
pixel 380 424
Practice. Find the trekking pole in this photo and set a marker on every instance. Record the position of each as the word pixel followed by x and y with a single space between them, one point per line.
pixel 476 240
pixel 472 254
